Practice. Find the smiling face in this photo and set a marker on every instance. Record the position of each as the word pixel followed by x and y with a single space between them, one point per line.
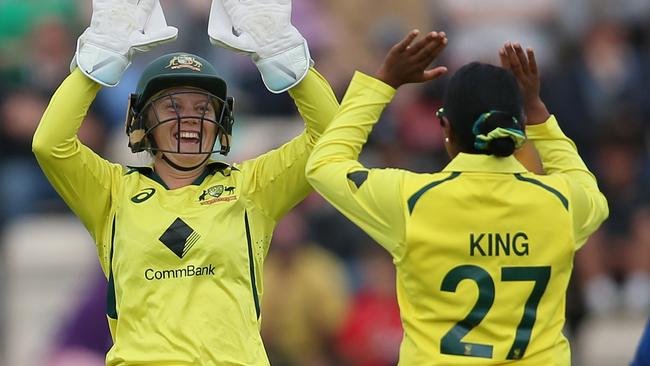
pixel 183 123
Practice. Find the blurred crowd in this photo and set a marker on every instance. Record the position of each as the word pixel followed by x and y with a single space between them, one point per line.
pixel 329 294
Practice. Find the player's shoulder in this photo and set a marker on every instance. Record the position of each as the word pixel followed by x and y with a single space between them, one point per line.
pixel 416 180
pixel 555 181
pixel 417 184
pixel 555 184
pixel 135 170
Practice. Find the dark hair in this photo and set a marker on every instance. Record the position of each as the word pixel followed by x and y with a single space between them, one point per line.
pixel 474 91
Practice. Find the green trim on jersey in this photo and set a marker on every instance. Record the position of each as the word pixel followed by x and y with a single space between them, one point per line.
pixel 111 307
pixel 560 196
pixel 251 264
pixel 416 196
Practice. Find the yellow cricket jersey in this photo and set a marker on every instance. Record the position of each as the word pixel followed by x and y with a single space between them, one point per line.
pixel 184 265
pixel 483 249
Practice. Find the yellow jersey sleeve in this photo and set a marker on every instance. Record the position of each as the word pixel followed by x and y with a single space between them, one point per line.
pixel 365 196
pixel 560 156
pixel 82 178
pixel 275 182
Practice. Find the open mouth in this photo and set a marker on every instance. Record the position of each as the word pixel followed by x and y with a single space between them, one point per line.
pixel 192 137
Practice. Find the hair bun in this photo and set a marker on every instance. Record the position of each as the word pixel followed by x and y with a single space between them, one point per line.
pixel 502 147
pixel 494 119
pixel 498 133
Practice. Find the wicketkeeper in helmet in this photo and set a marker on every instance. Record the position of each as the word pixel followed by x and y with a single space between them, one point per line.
pixel 182 241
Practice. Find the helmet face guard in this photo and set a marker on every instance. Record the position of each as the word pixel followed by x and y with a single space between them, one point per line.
pixel 141 122
pixel 193 75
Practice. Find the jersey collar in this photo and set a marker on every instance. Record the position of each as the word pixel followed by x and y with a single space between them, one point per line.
pixel 464 162
pixel 210 169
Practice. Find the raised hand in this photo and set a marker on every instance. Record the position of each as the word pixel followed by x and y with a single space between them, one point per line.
pixel 262 29
pixel 117 29
pixel 524 66
pixel 407 62
pixel 267 22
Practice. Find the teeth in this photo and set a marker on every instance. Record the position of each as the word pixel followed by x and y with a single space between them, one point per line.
pixel 189 135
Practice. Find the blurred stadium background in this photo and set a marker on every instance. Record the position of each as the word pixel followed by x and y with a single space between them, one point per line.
pixel 329 296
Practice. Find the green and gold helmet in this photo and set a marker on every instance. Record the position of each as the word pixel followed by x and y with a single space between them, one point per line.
pixel 178 70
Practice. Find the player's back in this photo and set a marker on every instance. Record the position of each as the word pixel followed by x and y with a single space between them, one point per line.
pixel 485 267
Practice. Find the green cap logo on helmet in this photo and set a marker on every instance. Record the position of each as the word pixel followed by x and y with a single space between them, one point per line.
pixel 184 62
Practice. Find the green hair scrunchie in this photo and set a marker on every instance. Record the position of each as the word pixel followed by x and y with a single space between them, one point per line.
pixel 482 140
pixel 517 137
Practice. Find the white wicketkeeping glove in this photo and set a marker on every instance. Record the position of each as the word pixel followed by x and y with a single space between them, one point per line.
pixel 262 29
pixel 117 29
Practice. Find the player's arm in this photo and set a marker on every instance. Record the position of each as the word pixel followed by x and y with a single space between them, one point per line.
pixel 275 181
pixel 527 155
pixel 316 104
pixel 558 153
pixel 560 156
pixel 81 177
pixel 371 197
pixel 84 180
pixel 368 197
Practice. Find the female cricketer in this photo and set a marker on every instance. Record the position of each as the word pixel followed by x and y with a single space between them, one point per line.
pixel 182 241
pixel 483 249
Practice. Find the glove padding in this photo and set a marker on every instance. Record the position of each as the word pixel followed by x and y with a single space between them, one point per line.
pixel 117 29
pixel 263 30
pixel 223 34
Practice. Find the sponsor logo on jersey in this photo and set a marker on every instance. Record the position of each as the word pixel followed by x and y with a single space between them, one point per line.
pixel 144 195
pixel 184 62
pixel 190 270
pixel 179 237
pixel 214 194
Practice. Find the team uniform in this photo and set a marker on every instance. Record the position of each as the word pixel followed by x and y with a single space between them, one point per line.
pixel 184 265
pixel 483 249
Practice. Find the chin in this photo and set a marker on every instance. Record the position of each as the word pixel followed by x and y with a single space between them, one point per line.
pixel 186 160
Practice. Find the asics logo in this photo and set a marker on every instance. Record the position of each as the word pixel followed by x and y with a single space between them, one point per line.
pixel 144 195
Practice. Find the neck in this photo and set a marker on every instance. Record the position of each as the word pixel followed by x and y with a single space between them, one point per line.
pixel 175 178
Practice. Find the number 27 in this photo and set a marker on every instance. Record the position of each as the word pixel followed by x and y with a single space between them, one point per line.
pixel 451 342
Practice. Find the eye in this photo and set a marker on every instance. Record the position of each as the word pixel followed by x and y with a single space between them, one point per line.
pixel 204 108
pixel 166 105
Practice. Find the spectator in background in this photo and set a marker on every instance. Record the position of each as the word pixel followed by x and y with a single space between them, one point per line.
pixel 305 299
pixel 373 330
pixel 48 62
pixel 27 75
pixel 23 187
pixel 603 82
pixel 619 252
pixel 359 28
pixel 479 27
pixel 84 338
pixel 19 20
pixel 603 97
pixel 332 230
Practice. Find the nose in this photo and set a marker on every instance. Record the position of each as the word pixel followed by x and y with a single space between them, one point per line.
pixel 192 120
